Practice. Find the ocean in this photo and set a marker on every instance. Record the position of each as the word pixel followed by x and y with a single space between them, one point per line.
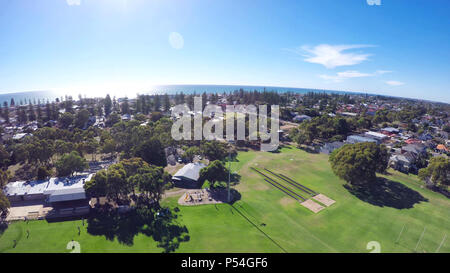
pixel 44 96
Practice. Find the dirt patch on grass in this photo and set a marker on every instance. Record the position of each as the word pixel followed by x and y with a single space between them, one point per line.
pixel 312 206
pixel 324 199
pixel 286 201
pixel 261 186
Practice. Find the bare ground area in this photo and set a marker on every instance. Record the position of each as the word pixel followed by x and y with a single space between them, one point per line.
pixel 312 206
pixel 324 199
pixel 28 210
pixel 202 197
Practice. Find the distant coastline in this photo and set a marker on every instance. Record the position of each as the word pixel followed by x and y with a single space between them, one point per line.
pixel 44 96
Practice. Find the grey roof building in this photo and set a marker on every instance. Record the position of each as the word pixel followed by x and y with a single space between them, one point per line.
pixel 357 139
pixel 418 149
pixel 187 177
pixel 300 118
pixel 391 130
pixel 55 189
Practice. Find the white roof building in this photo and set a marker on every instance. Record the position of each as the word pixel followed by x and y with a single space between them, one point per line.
pixel 375 135
pixel 55 189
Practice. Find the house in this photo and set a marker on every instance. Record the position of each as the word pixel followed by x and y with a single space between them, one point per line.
pixel 348 114
pixel 412 141
pixel 19 136
pixel 357 139
pixel 425 137
pixel 377 136
pixel 126 117
pixel 403 162
pixel 301 118
pixel 188 176
pixel 441 148
pixel 390 130
pixel 328 148
pixel 418 149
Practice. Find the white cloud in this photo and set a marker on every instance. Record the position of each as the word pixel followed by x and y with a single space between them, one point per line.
pixel 340 76
pixel 332 56
pixel 394 83
pixel 176 40
pixel 381 72
pixel 73 2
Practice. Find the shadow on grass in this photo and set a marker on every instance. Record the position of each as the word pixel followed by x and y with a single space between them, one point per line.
pixel 160 224
pixel 3 226
pixel 387 193
pixel 235 179
pixel 257 227
pixel 309 149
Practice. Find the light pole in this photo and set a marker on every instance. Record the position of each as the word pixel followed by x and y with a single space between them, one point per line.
pixel 229 171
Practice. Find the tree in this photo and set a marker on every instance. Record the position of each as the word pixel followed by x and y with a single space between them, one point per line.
pixel 109 147
pixel 152 182
pixel 156 116
pixel 108 105
pixel 97 185
pixel 214 150
pixel 215 171
pixel 190 153
pixel 4 205
pixel 81 118
pixel 157 103
pixel 125 106
pixel 70 163
pixel 358 163
pixel 31 113
pixel 6 114
pixel 4 177
pixel 39 151
pixel 48 112
pixel 66 119
pixel 91 147
pixel 117 186
pixel 43 172
pixel 166 101
pixel 446 128
pixel 437 172
pixel 152 152
pixel 4 157
pixel 113 119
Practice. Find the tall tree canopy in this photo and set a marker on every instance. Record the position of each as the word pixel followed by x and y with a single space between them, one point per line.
pixel 4 205
pixel 214 150
pixel 215 171
pixel 70 163
pixel 123 178
pixel 152 151
pixel 437 172
pixel 108 105
pixel 358 163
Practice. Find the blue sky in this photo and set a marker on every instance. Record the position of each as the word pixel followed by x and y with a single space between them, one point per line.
pixel 399 48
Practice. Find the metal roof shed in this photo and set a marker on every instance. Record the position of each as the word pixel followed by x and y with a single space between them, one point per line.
pixel 190 171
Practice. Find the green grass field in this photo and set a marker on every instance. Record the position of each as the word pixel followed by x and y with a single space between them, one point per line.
pixel 267 220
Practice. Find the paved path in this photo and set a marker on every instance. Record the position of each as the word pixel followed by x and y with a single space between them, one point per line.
pixel 174 193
